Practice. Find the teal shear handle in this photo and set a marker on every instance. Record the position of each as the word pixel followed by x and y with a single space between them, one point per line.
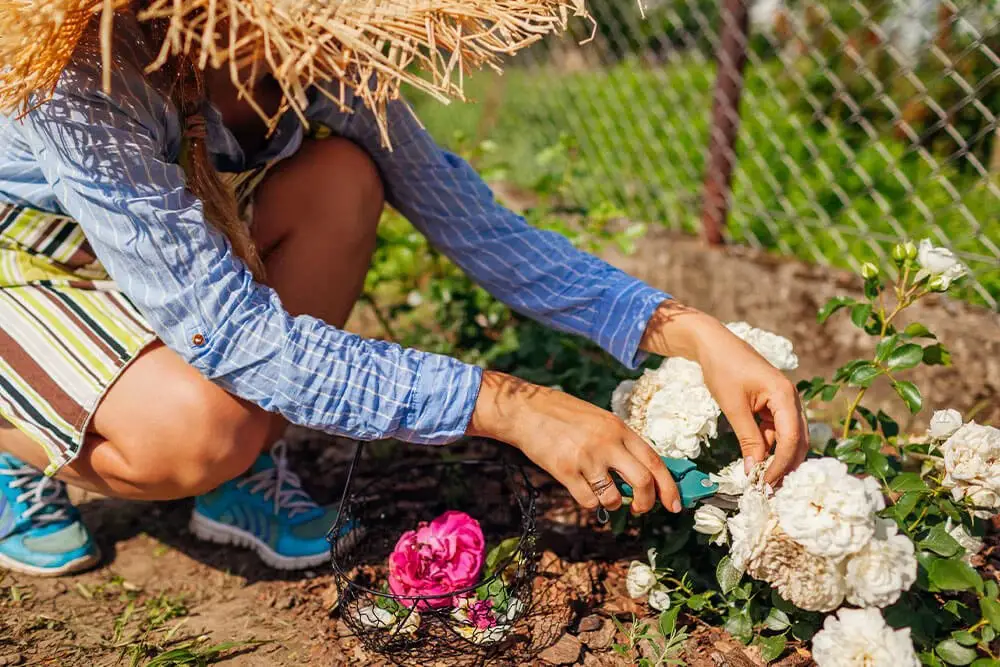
pixel 693 484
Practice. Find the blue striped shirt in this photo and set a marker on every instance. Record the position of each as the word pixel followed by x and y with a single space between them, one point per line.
pixel 110 161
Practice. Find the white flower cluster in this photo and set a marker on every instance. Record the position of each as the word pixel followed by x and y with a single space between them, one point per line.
pixel 971 459
pixel 641 580
pixel 818 540
pixel 671 406
pixel 861 637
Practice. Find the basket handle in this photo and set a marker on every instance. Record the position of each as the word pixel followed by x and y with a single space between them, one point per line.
pixel 335 528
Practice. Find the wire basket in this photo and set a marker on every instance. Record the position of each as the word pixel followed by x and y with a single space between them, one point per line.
pixel 467 625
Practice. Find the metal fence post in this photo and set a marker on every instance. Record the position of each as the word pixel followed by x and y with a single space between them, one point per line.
pixel 732 58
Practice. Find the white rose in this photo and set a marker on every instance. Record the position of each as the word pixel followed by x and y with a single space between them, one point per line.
pixel 820 435
pixel 711 521
pixel 640 579
pixel 936 260
pixel 879 573
pixel 776 349
pixel 860 637
pixel 939 262
pixel 972 545
pixel 733 480
pixel 972 465
pixel 410 624
pixel 814 583
pixel 944 423
pixel 620 397
pixel 826 510
pixel 680 415
pixel 659 598
pixel 749 528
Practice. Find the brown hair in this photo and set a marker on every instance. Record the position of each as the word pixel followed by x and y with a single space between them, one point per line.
pixel 181 81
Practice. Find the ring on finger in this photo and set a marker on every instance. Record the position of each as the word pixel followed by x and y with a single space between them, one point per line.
pixel 601 485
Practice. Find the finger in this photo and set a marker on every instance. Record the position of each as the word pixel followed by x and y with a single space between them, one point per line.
pixel 638 476
pixel 602 486
pixel 582 493
pixel 666 488
pixel 751 440
pixel 793 443
pixel 769 431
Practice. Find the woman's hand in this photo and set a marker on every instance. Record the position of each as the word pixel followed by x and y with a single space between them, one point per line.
pixel 576 442
pixel 743 382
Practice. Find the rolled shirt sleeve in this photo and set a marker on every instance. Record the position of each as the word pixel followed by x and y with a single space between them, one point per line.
pixel 537 273
pixel 106 159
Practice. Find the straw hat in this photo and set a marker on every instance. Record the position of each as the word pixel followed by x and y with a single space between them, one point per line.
pixel 429 44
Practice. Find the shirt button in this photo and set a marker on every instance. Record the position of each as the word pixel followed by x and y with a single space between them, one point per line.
pixel 198 340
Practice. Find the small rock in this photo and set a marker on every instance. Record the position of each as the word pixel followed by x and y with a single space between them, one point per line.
pixel 591 623
pixel 11 660
pixel 601 637
pixel 565 651
pixel 606 659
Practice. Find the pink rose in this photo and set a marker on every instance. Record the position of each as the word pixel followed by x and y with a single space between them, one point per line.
pixel 438 558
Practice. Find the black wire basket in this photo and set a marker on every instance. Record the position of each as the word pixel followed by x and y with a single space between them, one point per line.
pixel 468 624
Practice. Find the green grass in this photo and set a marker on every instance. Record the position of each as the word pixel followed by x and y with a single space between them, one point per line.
pixel 639 137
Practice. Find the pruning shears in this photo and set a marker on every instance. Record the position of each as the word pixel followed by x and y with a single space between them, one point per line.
pixel 693 485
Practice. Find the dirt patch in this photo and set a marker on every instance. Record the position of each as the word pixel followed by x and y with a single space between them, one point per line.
pixel 783 295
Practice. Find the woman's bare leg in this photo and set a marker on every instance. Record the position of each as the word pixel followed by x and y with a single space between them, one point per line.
pixel 163 431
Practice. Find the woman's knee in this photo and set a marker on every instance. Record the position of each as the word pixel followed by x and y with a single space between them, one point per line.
pixel 201 438
pixel 330 185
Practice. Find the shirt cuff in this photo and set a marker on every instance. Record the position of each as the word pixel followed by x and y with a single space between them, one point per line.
pixel 625 311
pixel 442 401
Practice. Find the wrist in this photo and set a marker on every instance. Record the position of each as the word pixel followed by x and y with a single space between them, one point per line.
pixel 677 330
pixel 493 415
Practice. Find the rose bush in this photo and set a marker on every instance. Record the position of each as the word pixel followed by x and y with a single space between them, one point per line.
pixel 879 529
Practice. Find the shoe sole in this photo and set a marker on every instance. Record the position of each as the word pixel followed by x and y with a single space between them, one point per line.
pixel 212 531
pixel 72 567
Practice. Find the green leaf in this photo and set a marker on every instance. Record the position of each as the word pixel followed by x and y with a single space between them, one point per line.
pixel 727 575
pixel 989 634
pixel 953 575
pixel 500 554
pixel 954 653
pixel 877 464
pixel 739 625
pixel 930 660
pixel 940 542
pixel 860 314
pixel 868 415
pixel 845 371
pixel 698 602
pixel 917 330
pixel 910 395
pixel 986 662
pixel 905 356
pixel 936 355
pixel 905 505
pixel 777 620
pixel 908 481
pixel 770 647
pixel 965 638
pixel 668 620
pixel 889 426
pixel 992 590
pixel 832 306
pixel 990 609
pixel 863 376
pixel 830 392
pixel 885 348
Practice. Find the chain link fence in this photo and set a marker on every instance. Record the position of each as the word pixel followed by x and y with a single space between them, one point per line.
pixel 847 124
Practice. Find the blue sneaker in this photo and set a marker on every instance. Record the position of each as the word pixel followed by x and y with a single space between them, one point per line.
pixel 40 531
pixel 268 511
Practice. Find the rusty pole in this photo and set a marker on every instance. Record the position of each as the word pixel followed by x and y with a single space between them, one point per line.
pixel 732 60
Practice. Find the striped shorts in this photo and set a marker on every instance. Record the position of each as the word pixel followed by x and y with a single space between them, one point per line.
pixel 66 331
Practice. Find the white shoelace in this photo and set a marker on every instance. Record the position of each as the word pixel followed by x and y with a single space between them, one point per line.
pixel 48 499
pixel 281 484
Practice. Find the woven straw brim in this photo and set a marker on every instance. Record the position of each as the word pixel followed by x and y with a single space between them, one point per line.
pixel 428 44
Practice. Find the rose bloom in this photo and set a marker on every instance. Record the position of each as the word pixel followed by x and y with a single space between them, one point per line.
pixel 438 558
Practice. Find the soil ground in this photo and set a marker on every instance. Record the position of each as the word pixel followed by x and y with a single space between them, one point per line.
pixel 160 590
